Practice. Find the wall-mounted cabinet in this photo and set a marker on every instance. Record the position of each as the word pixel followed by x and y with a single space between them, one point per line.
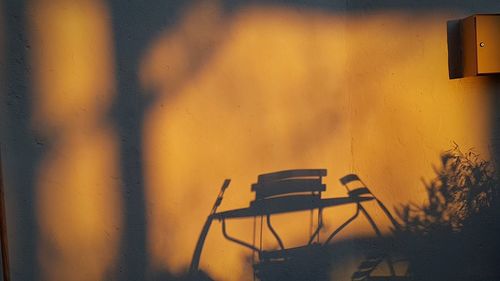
pixel 480 36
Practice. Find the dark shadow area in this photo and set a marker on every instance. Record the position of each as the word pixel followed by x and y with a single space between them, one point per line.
pixel 494 96
pixel 371 6
pixel 351 259
pixel 455 236
pixel 455 67
pixel 22 148
pixel 135 25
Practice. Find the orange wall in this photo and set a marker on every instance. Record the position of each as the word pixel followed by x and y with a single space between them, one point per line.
pixel 365 93
pixel 235 94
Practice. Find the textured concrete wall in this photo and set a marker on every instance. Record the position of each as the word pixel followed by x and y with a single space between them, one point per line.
pixel 121 119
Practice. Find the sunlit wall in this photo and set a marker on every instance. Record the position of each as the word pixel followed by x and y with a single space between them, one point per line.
pixel 78 182
pixel 236 90
pixel 290 88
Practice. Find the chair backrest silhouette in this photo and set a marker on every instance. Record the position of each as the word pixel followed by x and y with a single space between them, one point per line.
pixel 289 182
pixel 355 187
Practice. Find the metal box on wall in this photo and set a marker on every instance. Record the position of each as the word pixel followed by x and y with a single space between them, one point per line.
pixel 480 36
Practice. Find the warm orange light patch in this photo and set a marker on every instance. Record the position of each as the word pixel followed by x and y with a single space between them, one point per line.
pixel 74 62
pixel 288 89
pixel 79 208
pixel 78 179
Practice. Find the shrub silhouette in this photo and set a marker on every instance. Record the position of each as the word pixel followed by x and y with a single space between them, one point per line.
pixel 455 235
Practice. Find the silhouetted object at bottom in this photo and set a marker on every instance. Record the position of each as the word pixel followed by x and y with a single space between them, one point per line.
pixel 301 263
pixel 455 235
pixel 293 191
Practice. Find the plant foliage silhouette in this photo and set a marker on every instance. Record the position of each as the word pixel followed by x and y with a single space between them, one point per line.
pixel 455 235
